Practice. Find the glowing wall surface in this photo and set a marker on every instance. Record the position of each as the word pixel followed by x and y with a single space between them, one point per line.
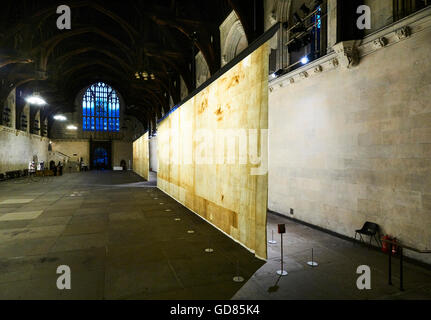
pixel 213 152
pixel 141 157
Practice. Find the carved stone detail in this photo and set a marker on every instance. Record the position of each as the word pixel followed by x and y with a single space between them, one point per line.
pixel 292 80
pixel 304 74
pixel 380 43
pixel 335 62
pixel 403 33
pixel 318 69
pixel 347 52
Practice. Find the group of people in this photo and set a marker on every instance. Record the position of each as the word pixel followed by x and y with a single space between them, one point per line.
pixel 57 169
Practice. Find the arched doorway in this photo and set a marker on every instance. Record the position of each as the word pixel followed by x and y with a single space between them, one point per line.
pixel 100 161
pixel 100 155
pixel 123 164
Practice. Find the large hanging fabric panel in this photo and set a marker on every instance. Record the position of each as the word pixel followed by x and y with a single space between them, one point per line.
pixel 141 157
pixel 213 152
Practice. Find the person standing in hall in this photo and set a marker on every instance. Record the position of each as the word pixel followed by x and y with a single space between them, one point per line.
pixel 60 168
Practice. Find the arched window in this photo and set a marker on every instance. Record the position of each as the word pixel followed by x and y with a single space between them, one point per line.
pixel 101 109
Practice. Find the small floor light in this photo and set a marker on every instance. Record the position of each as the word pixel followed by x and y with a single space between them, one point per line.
pixel 305 60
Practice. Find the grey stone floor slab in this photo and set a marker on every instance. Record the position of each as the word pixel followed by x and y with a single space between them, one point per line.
pixel 125 239
pixel 119 242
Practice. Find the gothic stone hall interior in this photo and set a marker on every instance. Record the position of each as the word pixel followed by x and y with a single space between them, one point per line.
pixel 215 150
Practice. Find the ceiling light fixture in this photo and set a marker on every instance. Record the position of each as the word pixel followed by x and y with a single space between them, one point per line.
pixel 145 75
pixel 72 127
pixel 60 117
pixel 36 99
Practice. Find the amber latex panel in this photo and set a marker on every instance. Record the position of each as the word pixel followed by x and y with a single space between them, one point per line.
pixel 208 152
pixel 141 157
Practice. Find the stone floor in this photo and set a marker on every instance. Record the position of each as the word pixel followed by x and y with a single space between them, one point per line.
pixel 335 277
pixel 124 239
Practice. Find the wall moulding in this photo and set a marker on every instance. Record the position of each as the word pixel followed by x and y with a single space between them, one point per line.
pixel 396 32
pixel 347 53
pixel 22 133
pixel 351 50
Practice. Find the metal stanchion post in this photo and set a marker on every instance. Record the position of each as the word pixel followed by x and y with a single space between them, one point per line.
pixel 209 249
pixel 401 270
pixel 281 231
pixel 272 241
pixel 390 264
pixel 238 278
pixel 312 263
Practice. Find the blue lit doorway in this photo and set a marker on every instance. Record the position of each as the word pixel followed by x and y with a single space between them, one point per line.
pixel 100 161
pixel 100 154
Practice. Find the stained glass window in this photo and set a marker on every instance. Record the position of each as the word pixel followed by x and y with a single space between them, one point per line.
pixel 101 109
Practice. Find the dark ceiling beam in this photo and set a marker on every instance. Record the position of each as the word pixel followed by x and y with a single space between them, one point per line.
pixel 42 15
pixel 112 47
pixel 77 67
pixel 203 43
pixel 64 58
pixel 6 60
pixel 49 45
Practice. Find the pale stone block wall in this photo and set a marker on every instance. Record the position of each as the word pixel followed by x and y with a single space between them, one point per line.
pixel 11 104
pixel 382 14
pixel 73 149
pixel 122 150
pixel 202 69
pixel 232 38
pixel 184 90
pixel 348 146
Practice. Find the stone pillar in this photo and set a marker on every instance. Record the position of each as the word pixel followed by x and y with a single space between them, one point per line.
pixel 332 21
pixel 32 120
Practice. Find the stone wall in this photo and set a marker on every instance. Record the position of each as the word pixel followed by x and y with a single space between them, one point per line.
pixel 18 148
pixel 122 150
pixel 202 69
pixel 232 38
pixel 382 13
pixel 351 145
pixel 80 148
pixel 11 104
pixel 73 149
